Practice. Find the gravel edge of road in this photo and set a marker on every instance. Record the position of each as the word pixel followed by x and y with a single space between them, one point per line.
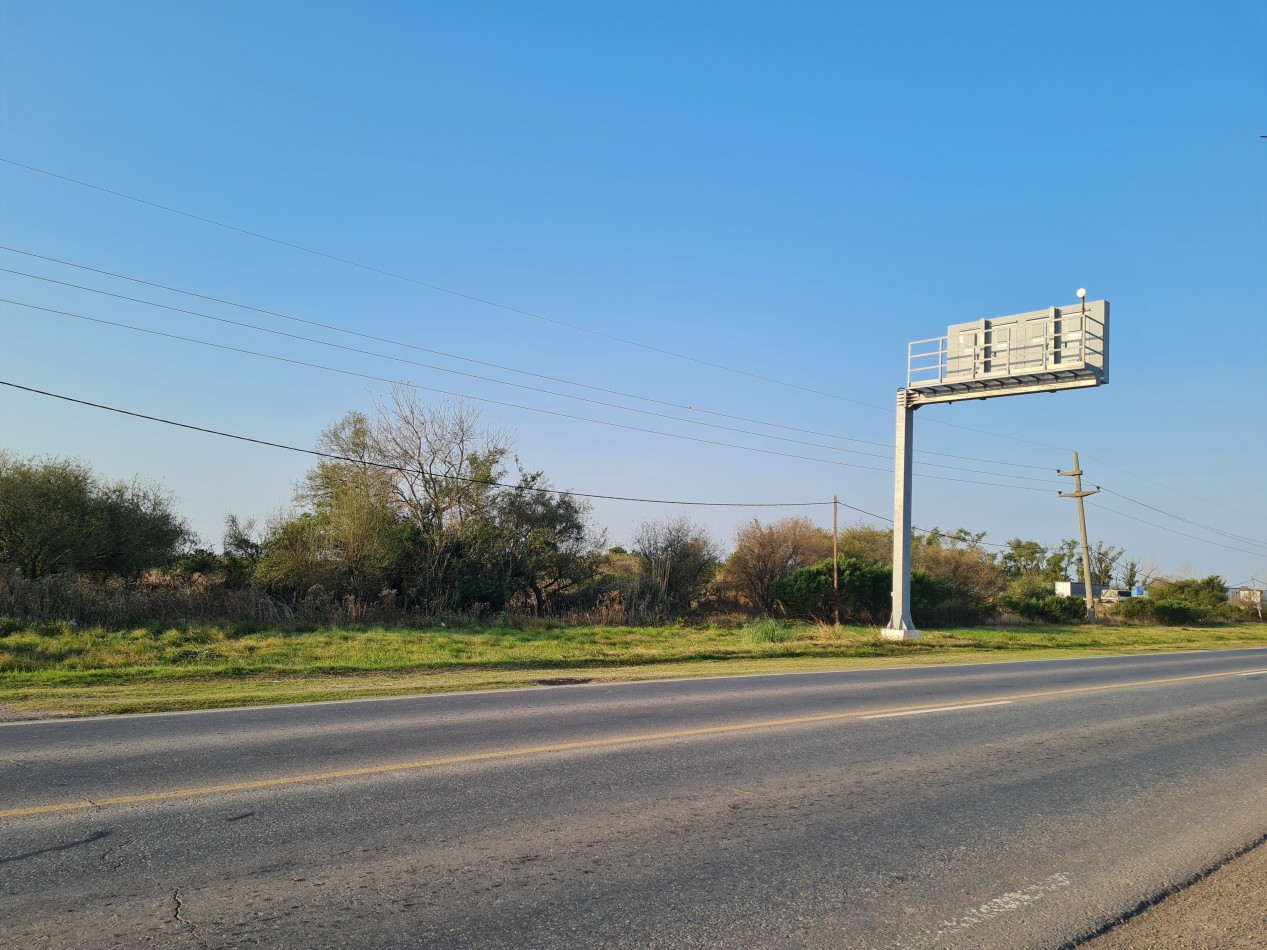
pixel 14 714
pixel 1231 910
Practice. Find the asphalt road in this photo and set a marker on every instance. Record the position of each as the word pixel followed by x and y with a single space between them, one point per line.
pixel 1001 805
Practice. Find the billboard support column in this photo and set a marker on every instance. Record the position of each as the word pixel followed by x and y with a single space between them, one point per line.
pixel 901 627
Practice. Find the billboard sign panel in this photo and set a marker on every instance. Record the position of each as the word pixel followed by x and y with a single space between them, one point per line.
pixel 1044 350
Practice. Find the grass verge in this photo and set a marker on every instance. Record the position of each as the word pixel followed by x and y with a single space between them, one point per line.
pixel 59 670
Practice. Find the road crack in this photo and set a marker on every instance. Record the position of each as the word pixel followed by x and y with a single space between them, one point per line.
pixel 178 905
pixel 116 864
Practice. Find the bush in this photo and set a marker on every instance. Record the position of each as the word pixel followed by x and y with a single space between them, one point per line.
pixel 1057 609
pixel 807 593
pixel 1175 612
pixel 1036 599
pixel 1168 612
pixel 1207 592
pixel 864 595
pixel 949 613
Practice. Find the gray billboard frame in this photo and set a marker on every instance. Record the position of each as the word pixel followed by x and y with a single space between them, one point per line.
pixel 1041 351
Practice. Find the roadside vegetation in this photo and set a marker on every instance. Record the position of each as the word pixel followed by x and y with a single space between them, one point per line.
pixel 414 557
pixel 63 669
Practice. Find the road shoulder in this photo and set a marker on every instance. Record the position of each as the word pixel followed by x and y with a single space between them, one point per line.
pixel 1224 910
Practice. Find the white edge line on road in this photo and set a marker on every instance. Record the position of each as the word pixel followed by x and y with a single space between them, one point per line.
pixel 937 709
pixel 983 913
pixel 1252 673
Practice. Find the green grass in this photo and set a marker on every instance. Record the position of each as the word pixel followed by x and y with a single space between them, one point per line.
pixel 63 670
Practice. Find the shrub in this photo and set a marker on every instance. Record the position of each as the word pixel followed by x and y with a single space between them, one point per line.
pixel 865 595
pixel 1207 592
pixel 1173 612
pixel 1036 599
pixel 807 592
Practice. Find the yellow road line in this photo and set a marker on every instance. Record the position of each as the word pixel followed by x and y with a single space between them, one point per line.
pixel 937 709
pixel 85 804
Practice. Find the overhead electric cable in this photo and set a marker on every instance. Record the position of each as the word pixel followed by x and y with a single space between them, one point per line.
pixel 332 456
pixel 335 457
pixel 1122 514
pixel 454 372
pixel 491 303
pixel 454 356
pixel 436 287
pixel 1179 491
pixel 1188 521
pixel 499 402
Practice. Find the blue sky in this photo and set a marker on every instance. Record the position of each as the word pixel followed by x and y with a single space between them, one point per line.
pixel 792 191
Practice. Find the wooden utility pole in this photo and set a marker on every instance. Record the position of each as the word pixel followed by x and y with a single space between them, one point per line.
pixel 835 557
pixel 1079 494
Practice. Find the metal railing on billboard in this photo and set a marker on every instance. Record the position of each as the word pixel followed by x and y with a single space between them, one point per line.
pixel 930 363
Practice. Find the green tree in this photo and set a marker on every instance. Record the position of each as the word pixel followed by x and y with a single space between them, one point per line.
pixel 864 595
pixel 1130 574
pixel 1022 557
pixel 241 551
pixel 415 501
pixel 532 548
pixel 1104 558
pixel 346 539
pixel 1209 591
pixel 57 516
pixel 1064 562
pixel 349 544
pixel 862 542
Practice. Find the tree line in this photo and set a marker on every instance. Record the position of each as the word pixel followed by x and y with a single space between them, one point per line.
pixel 422 509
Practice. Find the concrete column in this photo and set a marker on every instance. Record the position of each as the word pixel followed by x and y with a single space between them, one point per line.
pixel 901 627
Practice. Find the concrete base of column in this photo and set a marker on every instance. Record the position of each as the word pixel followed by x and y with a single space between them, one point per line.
pixel 902 632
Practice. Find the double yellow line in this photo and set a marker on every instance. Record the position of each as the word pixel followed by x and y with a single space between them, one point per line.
pixel 179 793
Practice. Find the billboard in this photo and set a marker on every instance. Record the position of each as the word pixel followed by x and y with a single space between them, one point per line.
pixel 1043 350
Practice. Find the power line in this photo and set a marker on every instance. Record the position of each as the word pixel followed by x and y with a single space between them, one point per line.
pixel 498 402
pixel 1179 491
pixel 916 530
pixel 1226 547
pixel 491 303
pixel 447 355
pixel 335 457
pixel 443 369
pixel 1189 521
pixel 445 290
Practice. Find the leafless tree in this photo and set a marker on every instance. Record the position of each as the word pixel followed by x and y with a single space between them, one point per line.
pixel 442 459
pixel 678 556
pixel 765 554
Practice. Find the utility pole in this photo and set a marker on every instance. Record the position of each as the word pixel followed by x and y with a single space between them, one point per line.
pixel 1079 494
pixel 835 557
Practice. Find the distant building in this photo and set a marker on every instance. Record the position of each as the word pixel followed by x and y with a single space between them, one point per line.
pixel 1079 589
pixel 1251 598
pixel 1245 596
